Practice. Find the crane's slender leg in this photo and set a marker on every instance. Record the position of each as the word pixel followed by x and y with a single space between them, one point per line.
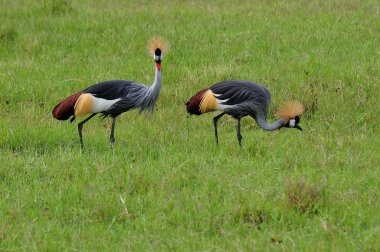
pixel 239 137
pixel 215 120
pixel 112 136
pixel 80 126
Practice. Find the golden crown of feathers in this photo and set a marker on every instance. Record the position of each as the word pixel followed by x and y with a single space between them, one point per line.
pixel 290 110
pixel 157 43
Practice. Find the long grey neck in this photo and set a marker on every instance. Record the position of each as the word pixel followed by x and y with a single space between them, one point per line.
pixel 152 93
pixel 263 124
pixel 155 89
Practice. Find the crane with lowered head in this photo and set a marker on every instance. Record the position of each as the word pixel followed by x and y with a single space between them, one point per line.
pixel 240 98
pixel 111 98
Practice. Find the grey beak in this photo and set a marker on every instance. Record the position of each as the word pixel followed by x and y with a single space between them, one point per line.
pixel 298 127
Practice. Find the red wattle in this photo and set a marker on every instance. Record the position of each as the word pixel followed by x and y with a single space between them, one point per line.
pixel 158 66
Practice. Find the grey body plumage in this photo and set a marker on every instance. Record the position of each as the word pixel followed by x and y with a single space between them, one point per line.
pixel 137 96
pixel 245 98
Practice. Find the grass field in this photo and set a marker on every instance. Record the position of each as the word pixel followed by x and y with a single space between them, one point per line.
pixel 167 186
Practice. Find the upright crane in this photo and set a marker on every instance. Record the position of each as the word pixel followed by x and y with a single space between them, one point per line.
pixel 239 98
pixel 111 98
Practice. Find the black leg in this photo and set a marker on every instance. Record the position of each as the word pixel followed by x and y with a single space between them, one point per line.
pixel 239 137
pixel 215 120
pixel 80 126
pixel 112 136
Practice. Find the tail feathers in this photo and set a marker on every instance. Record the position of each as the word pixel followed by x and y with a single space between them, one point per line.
pixel 65 109
pixel 202 102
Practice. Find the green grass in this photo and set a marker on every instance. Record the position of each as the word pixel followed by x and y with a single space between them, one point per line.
pixel 168 186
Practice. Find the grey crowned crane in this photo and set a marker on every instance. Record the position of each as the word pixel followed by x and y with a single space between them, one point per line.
pixel 111 98
pixel 239 98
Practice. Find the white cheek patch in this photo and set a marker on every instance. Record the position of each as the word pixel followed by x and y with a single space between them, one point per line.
pixel 292 123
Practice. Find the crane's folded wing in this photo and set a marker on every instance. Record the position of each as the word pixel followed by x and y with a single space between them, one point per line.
pixel 110 90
